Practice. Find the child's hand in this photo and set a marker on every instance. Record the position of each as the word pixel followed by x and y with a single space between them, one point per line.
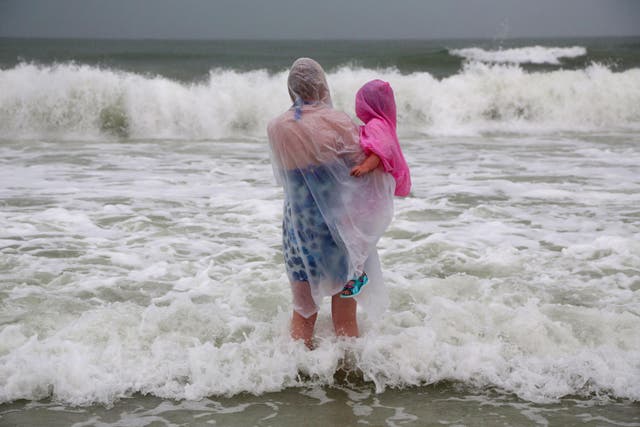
pixel 367 166
pixel 359 170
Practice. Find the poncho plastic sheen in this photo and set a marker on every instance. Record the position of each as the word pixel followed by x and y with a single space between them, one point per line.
pixel 313 149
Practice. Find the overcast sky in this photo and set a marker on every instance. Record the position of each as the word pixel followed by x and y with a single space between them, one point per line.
pixel 278 19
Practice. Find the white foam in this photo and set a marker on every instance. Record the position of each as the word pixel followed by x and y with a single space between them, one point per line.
pixel 81 102
pixel 521 55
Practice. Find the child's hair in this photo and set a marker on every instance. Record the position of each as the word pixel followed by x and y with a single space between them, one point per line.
pixel 375 100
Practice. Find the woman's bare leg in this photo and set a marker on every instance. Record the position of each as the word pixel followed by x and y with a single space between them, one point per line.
pixel 302 327
pixel 343 313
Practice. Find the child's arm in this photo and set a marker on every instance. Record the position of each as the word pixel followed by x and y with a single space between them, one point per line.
pixel 367 166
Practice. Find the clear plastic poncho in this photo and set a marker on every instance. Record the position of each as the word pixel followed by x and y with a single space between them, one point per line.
pixel 332 220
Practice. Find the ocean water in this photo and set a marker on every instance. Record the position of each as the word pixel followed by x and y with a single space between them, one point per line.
pixel 141 274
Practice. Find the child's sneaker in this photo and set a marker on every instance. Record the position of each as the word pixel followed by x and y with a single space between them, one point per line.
pixel 353 287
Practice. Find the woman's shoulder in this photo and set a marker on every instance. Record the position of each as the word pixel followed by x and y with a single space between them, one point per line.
pixel 339 118
pixel 281 118
pixel 280 122
pixel 325 114
pixel 338 115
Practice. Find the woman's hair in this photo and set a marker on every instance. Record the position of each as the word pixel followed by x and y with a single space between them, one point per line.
pixel 307 82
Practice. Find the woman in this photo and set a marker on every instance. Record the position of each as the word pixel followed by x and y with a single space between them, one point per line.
pixel 332 221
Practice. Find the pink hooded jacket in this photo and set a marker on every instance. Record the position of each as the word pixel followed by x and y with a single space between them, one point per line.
pixel 376 107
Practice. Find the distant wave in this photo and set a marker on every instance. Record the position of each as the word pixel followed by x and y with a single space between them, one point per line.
pixel 522 55
pixel 70 101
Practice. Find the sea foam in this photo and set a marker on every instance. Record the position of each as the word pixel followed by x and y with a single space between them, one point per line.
pixel 155 268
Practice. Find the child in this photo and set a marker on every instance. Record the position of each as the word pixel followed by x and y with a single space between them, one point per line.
pixel 376 107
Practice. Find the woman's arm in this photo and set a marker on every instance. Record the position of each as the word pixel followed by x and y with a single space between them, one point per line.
pixel 367 166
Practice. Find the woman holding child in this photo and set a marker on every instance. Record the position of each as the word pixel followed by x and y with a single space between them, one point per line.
pixel 338 197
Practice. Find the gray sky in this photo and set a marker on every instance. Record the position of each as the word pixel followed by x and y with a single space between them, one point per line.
pixel 318 19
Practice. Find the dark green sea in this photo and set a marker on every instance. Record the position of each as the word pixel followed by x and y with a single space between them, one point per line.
pixel 192 60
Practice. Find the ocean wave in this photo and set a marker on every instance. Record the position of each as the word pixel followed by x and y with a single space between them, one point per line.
pixel 70 101
pixel 521 55
pixel 180 349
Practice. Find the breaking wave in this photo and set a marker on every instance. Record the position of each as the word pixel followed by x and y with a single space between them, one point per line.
pixel 70 101
pixel 521 55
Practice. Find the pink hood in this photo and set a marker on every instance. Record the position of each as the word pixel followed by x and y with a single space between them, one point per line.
pixel 376 107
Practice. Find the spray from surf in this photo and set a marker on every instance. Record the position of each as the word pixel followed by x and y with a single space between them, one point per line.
pixel 69 101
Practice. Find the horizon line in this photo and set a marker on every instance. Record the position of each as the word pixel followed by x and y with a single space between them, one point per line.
pixel 313 39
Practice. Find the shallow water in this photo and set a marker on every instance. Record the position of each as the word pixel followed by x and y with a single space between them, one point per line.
pixel 343 405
